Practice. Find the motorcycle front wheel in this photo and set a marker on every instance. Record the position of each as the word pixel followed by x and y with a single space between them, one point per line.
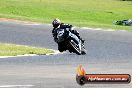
pixel 75 47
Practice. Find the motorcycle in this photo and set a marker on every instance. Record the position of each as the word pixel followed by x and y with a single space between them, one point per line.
pixel 69 41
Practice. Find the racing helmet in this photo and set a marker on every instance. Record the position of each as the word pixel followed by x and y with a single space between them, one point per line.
pixel 56 22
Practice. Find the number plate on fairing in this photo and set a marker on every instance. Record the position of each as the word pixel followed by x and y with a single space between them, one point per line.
pixel 60 32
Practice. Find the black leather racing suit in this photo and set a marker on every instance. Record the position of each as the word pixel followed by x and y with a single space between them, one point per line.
pixel 64 26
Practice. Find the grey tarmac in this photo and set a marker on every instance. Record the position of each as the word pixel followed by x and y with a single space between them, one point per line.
pixel 107 52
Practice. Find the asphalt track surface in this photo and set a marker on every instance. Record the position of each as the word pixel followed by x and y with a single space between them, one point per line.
pixel 107 52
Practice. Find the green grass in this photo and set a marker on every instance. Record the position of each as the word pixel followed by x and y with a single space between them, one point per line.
pixel 90 13
pixel 13 50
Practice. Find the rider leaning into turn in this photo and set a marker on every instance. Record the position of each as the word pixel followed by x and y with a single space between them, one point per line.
pixel 57 24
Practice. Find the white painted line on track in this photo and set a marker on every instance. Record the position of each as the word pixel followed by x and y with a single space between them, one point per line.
pixel 32 24
pixel 19 55
pixel 100 29
pixel 35 23
pixel 55 52
pixel 11 86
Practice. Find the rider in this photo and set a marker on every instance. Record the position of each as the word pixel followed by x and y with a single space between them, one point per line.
pixel 57 24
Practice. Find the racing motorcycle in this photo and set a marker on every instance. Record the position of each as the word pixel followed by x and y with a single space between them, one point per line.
pixel 70 41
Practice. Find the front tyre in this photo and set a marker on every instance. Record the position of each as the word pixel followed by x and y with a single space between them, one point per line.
pixel 83 51
pixel 76 48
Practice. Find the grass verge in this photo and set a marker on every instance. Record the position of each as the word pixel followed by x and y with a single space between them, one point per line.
pixel 14 50
pixel 90 13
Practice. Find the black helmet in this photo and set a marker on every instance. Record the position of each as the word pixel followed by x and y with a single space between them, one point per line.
pixel 56 22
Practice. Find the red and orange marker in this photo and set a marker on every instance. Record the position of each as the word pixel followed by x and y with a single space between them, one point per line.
pixel 83 78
